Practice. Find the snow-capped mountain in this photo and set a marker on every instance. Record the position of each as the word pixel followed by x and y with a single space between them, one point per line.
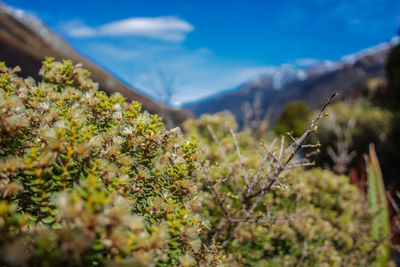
pixel 311 84
pixel 350 59
pixel 282 75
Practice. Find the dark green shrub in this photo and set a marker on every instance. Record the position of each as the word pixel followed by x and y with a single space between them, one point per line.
pixel 293 118
pixel 392 94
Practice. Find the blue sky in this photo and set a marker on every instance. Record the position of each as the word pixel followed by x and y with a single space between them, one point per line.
pixel 209 46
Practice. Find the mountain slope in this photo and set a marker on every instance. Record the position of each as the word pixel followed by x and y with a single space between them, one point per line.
pixel 25 41
pixel 313 86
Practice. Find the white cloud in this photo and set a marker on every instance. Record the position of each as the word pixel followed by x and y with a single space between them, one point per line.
pixel 77 29
pixel 168 28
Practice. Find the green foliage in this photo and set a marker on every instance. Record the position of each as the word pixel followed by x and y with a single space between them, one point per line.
pixel 313 218
pixel 322 223
pixel 378 207
pixel 372 124
pixel 87 179
pixel 293 118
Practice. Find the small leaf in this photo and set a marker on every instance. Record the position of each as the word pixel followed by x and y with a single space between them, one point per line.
pixel 48 220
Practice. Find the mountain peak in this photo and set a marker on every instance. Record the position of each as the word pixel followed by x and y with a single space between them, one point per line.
pixel 277 77
pixel 282 84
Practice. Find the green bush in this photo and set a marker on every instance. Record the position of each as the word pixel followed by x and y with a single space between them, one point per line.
pixel 316 218
pixel 293 118
pixel 370 124
pixel 87 179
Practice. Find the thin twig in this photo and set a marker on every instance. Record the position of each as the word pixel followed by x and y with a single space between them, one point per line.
pixel 214 137
pixel 240 159
pixel 219 202
pixel 303 254
pixel 281 150
pixel 393 202
pixel 255 180
pixel 311 129
pixel 273 156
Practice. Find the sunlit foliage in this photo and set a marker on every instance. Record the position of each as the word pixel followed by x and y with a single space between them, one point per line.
pixel 90 179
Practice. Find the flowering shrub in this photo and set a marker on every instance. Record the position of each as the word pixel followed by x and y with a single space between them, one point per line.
pixel 89 179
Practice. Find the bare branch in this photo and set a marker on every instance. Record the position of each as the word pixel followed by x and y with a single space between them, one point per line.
pixel 251 198
pixel 216 196
pixel 281 150
pixel 311 129
pixel 272 154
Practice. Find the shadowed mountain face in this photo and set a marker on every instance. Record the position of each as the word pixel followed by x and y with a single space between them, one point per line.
pixel 25 41
pixel 347 76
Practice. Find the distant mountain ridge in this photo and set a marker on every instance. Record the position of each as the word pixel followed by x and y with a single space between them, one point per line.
pixel 271 91
pixel 25 41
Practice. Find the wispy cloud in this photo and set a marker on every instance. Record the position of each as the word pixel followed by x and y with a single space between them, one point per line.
pixel 199 72
pixel 169 28
pixel 77 28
